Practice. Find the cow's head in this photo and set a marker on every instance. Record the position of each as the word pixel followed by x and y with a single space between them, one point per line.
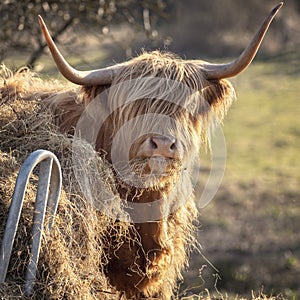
pixel 157 106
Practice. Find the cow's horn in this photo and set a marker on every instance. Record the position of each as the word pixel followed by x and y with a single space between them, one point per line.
pixel 219 71
pixel 94 77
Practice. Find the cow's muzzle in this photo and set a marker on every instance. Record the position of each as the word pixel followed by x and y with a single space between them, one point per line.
pixel 160 146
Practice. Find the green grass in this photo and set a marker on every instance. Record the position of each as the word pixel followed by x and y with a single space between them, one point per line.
pixel 263 128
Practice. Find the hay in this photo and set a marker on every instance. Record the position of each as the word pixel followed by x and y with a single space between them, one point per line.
pixel 74 255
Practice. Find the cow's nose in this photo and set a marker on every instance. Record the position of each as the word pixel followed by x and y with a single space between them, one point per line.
pixel 163 146
pixel 159 145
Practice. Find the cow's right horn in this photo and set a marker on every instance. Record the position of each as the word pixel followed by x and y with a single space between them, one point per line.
pixel 220 71
pixel 93 77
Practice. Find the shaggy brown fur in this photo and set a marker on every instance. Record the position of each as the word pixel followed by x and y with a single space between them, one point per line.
pixel 148 260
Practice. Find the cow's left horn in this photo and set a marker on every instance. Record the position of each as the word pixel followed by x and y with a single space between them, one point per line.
pixel 94 77
pixel 219 71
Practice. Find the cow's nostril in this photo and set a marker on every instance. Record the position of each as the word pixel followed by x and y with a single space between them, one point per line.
pixel 173 146
pixel 153 144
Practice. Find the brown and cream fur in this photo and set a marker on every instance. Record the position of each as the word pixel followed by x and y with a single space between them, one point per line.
pixel 150 259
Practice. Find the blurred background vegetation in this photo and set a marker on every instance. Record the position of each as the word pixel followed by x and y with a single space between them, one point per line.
pixel 250 231
pixel 191 28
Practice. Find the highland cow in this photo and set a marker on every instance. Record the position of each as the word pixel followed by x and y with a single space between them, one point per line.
pixel 152 115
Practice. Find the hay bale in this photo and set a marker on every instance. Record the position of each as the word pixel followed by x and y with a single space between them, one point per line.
pixel 74 254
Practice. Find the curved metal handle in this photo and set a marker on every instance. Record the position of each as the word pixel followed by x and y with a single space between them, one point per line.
pixel 47 196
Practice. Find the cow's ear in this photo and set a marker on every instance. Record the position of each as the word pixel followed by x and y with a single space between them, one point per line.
pixel 218 96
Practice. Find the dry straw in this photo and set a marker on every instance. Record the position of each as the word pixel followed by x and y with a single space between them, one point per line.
pixel 74 255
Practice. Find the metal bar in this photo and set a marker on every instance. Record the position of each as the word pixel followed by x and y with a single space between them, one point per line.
pixel 38 222
pixel 54 192
pixel 48 193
